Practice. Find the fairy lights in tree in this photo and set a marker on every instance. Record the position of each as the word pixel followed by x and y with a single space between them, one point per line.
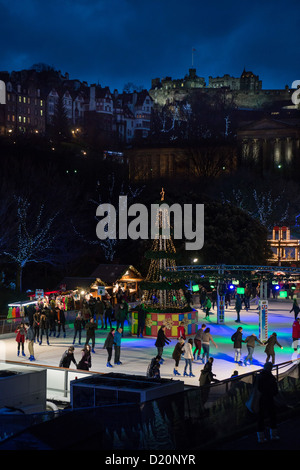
pixel 35 239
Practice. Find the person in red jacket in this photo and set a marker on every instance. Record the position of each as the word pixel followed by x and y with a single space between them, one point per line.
pixel 296 333
pixel 20 338
pixel 181 331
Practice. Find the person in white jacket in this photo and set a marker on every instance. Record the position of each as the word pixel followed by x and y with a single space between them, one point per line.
pixel 188 356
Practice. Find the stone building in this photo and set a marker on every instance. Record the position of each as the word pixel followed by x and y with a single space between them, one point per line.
pixel 270 143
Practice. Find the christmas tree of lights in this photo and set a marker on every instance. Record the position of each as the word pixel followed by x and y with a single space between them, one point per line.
pixel 160 292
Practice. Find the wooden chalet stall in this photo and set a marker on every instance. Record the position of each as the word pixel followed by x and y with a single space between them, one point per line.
pixel 115 276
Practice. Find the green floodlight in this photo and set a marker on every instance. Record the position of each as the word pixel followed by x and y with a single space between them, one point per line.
pixel 195 288
pixel 240 290
pixel 283 294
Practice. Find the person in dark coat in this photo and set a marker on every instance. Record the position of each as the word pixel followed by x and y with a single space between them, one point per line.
pixel 238 307
pixel 267 386
pixel 161 341
pixel 206 377
pixel 67 358
pixel 270 347
pixel 99 311
pixel 295 308
pixel 177 354
pixel 44 325
pixel 153 371
pixel 108 345
pixel 237 343
pixel 90 333
pixel 61 321
pixel 85 362
pixel 78 324
pixel 141 320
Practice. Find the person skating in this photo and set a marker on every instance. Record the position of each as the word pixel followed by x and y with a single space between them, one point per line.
pixel 78 324
pixel 188 356
pixel 238 307
pixel 295 308
pixel 67 358
pixel 237 344
pixel 206 339
pixel 141 320
pixel 153 370
pixel 207 308
pixel 197 341
pixel 44 327
pixel 181 331
pixel 20 338
pixel 90 328
pixel 85 362
pixel 177 353
pixel 161 341
pixel 117 345
pixel 270 347
pixel 108 345
pixel 296 334
pixel 250 341
pixel 61 321
pixel 30 339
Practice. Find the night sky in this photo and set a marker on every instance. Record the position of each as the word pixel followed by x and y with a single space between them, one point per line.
pixel 113 42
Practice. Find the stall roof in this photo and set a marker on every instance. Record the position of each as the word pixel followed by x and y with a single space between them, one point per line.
pixel 111 273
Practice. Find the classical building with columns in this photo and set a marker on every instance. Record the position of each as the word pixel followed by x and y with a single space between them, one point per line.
pixel 270 143
pixel 285 249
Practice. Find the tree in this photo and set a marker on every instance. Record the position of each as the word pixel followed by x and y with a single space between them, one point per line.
pixel 34 240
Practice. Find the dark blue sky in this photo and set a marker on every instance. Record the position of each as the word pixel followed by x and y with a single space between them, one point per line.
pixel 114 42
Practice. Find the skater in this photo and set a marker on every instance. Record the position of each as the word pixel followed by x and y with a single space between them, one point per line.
pixel 206 339
pixel 161 341
pixel 295 308
pixel 122 314
pixel 90 328
pixel 44 327
pixel 188 356
pixel 67 358
pixel 108 313
pixel 30 339
pixel 267 386
pixel 214 298
pixel 207 308
pixel 296 334
pixel 60 320
pixel 197 341
pixel 238 307
pixel 117 345
pixel 85 362
pixel 270 347
pixel 141 320
pixel 108 345
pixel 36 324
pixel 20 338
pixel 237 343
pixel 153 371
pixel 181 331
pixel 99 311
pixel 52 322
pixel 250 341
pixel 78 324
pixel 177 352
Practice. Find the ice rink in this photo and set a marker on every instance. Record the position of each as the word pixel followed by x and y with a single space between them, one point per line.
pixel 136 353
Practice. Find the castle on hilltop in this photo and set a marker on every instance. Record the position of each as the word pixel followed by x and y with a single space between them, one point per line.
pixel 246 91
